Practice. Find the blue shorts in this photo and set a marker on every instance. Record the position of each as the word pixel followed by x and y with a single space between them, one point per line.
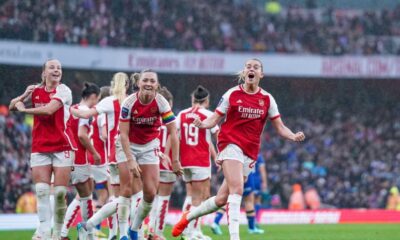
pixel 249 185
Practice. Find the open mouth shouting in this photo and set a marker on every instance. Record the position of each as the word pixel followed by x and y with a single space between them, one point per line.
pixel 251 75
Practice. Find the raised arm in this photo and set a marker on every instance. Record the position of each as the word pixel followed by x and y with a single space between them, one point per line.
pixel 22 98
pixel 48 109
pixel 82 113
pixel 285 132
pixel 210 122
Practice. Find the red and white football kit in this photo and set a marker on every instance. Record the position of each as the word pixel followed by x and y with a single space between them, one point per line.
pixel 50 143
pixel 145 122
pixel 111 108
pixel 99 172
pixel 246 115
pixel 81 171
pixel 194 145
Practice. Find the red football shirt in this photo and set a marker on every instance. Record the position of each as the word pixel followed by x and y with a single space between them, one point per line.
pixel 49 132
pixel 98 122
pixel 73 127
pixel 246 115
pixel 163 142
pixel 145 119
pixel 111 107
pixel 194 145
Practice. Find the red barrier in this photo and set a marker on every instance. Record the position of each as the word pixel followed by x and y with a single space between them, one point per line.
pixel 304 217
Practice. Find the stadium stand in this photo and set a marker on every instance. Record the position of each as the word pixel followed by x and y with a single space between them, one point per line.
pixel 210 25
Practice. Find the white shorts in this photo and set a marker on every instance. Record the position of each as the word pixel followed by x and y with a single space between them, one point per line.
pixel 80 174
pixel 57 159
pixel 114 174
pixel 100 173
pixel 144 154
pixel 167 177
pixel 196 174
pixel 234 152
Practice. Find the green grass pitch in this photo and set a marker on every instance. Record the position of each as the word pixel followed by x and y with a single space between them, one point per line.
pixel 281 232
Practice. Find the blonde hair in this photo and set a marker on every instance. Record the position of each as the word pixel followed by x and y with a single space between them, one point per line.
pixel 119 85
pixel 240 75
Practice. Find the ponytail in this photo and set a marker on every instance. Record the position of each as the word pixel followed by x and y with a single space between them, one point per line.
pixel 89 89
pixel 200 95
pixel 119 85
pixel 240 77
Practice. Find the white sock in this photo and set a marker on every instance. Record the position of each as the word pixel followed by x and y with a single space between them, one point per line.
pixel 206 207
pixel 104 212
pixel 142 212
pixel 197 226
pixel 135 200
pixel 153 215
pixel 70 216
pixel 86 208
pixel 60 206
pixel 113 226
pixel 123 215
pixel 112 222
pixel 190 230
pixel 44 212
pixel 233 214
pixel 161 213
pixel 187 204
pixel 52 203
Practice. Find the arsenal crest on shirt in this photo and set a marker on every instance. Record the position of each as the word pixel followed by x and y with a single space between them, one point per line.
pixel 261 102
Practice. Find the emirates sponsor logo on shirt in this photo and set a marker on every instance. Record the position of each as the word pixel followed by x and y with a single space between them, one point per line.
pixel 144 120
pixel 249 112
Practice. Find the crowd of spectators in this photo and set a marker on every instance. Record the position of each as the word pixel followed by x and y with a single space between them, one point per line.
pixel 215 25
pixel 15 147
pixel 352 161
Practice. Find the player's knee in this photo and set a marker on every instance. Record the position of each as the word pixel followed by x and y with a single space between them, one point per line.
pixel 236 189
pixel 221 200
pixel 59 193
pixel 148 195
pixel 125 191
pixel 42 190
